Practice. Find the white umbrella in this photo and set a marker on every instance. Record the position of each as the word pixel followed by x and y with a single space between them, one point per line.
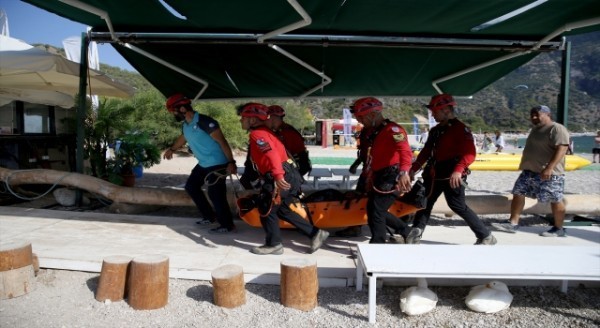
pixel 45 97
pixel 35 69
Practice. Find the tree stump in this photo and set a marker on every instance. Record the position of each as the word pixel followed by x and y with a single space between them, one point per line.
pixel 113 278
pixel 229 289
pixel 16 269
pixel 299 284
pixel 35 263
pixel 149 282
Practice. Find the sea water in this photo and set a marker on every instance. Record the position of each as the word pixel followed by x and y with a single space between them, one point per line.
pixel 583 144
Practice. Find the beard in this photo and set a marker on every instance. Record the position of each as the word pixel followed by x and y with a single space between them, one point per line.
pixel 179 117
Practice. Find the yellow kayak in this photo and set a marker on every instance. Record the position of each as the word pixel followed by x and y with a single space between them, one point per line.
pixel 511 161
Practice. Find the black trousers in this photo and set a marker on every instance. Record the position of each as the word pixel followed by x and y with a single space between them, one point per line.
pixel 455 198
pixel 270 223
pixel 217 192
pixel 378 217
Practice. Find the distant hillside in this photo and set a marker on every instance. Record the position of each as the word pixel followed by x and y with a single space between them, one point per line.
pixel 505 104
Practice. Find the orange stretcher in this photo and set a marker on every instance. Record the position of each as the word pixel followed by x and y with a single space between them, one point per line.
pixel 347 209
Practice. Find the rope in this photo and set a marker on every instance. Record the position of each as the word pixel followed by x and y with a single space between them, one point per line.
pixel 8 188
pixel 218 174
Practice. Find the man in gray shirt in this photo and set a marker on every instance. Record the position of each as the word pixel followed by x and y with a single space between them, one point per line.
pixel 543 172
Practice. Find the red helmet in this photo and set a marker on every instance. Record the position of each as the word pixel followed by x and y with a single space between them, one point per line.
pixel 441 101
pixel 276 110
pixel 177 100
pixel 255 110
pixel 364 106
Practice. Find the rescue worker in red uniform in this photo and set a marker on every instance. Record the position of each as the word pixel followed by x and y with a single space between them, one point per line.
pixel 387 167
pixel 447 154
pixel 290 137
pixel 281 183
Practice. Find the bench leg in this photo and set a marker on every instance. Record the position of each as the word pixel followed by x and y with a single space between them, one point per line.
pixel 359 275
pixel 564 285
pixel 372 298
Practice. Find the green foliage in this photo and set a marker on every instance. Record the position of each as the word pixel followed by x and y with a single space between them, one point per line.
pixel 100 128
pixel 134 149
pixel 149 114
pixel 225 113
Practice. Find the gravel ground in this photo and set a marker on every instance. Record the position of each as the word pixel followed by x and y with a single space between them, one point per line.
pixel 66 299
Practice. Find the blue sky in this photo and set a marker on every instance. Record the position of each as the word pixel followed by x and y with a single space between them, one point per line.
pixel 33 25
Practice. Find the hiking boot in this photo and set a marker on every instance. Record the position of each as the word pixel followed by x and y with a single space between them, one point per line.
pixel 222 230
pixel 397 239
pixel 268 250
pixel 506 227
pixel 554 232
pixel 414 236
pixel 355 231
pixel 489 240
pixel 317 241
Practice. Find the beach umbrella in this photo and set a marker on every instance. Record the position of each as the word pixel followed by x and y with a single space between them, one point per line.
pixel 35 69
pixel 45 97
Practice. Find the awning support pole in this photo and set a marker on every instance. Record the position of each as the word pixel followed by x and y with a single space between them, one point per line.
pixel 565 28
pixel 81 110
pixel 326 79
pixel 104 15
pixel 563 96
pixel 171 66
pixel 306 20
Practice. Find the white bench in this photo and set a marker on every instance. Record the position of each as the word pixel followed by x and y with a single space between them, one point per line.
pixel 474 262
pixel 318 173
pixel 345 174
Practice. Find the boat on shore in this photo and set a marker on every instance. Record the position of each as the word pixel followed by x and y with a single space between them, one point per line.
pixel 511 161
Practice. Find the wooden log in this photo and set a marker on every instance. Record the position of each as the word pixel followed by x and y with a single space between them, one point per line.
pixel 15 254
pixel 113 278
pixel 36 264
pixel 229 289
pixel 16 282
pixel 16 269
pixel 299 284
pixel 119 194
pixel 149 282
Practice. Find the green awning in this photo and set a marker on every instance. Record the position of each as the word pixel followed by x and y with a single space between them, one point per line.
pixel 363 47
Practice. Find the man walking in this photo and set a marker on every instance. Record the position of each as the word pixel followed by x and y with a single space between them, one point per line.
pixel 388 161
pixel 447 154
pixel 215 162
pixel 543 172
pixel 281 183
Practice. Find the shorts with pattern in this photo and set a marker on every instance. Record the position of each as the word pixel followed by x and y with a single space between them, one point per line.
pixel 530 184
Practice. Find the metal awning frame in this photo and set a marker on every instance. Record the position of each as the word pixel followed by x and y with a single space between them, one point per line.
pixel 279 37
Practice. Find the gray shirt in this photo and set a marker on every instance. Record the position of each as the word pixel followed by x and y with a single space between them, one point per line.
pixel 540 147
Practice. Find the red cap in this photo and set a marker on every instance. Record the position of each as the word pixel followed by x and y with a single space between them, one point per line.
pixel 441 101
pixel 364 106
pixel 177 100
pixel 276 110
pixel 255 110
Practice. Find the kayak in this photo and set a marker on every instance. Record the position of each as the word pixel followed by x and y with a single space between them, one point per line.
pixel 511 161
pixel 331 208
